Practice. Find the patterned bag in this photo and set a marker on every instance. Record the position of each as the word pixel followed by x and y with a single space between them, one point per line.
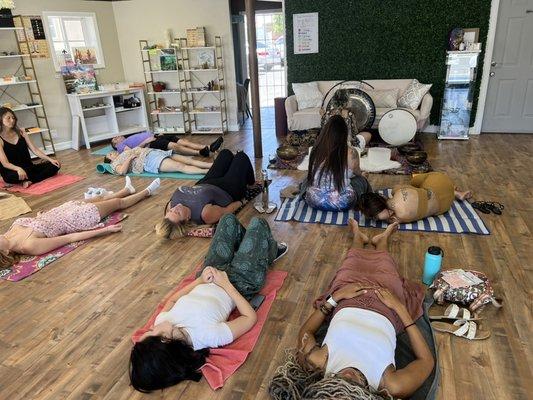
pixel 474 297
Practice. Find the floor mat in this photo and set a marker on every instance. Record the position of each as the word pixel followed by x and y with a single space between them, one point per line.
pixel 48 185
pixel 461 218
pixel 105 168
pixel 103 151
pixel 12 206
pixel 29 265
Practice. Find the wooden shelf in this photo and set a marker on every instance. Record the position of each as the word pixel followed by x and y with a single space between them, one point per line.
pixel 16 83
pixel 122 109
pixel 12 28
pixel 15 55
pixel 160 71
pixel 160 131
pixel 166 113
pixel 23 108
pixel 201 69
pixel 41 130
pixel 165 93
pixel 202 91
pixel 204 112
pixel 198 48
pixel 97 108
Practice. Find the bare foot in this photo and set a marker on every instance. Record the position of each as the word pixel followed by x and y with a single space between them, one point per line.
pixel 26 184
pixel 391 228
pixel 353 225
pixel 463 195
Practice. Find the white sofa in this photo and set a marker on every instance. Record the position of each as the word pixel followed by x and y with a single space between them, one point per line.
pixel 309 118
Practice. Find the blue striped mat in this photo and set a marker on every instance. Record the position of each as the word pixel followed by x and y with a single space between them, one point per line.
pixel 461 218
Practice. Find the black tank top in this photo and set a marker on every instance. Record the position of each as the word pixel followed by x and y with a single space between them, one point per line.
pixel 17 154
pixel 198 196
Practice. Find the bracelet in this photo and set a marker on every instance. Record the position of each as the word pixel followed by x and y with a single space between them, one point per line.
pixel 411 324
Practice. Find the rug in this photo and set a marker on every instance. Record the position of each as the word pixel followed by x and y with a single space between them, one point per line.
pixel 103 151
pixel 29 265
pixel 406 168
pixel 461 218
pixel 12 206
pixel 105 168
pixel 279 163
pixel 222 362
pixel 48 185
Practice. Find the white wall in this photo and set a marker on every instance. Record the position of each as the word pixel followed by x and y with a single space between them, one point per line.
pixel 52 87
pixel 139 19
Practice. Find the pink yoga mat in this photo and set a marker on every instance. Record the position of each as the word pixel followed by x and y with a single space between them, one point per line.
pixel 222 362
pixel 31 264
pixel 53 183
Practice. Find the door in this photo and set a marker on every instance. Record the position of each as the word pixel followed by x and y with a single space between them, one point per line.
pixel 509 104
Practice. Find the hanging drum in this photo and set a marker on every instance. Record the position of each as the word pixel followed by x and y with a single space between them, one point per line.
pixel 397 127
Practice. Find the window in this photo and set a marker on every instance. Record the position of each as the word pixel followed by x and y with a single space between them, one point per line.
pixel 70 30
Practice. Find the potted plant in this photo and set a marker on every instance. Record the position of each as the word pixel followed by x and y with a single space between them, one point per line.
pixel 6 18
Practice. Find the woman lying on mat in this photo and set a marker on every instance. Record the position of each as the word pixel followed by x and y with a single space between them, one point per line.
pixel 70 222
pixel 15 160
pixel 367 304
pixel 140 159
pixel 221 191
pixel 163 142
pixel 196 317
pixel 334 180
pixel 428 194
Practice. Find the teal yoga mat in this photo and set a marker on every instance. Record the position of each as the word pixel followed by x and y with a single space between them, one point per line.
pixel 104 168
pixel 103 151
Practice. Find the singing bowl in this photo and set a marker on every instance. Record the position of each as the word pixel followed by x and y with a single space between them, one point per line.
pixel 287 152
pixel 408 148
pixel 417 157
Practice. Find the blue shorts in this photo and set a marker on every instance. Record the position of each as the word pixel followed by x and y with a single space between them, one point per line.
pixel 153 160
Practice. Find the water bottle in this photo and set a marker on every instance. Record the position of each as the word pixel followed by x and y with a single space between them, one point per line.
pixel 264 196
pixel 432 264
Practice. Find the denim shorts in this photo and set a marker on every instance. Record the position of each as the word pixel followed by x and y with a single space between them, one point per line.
pixel 153 160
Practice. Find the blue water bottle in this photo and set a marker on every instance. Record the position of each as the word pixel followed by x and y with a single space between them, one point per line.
pixel 432 263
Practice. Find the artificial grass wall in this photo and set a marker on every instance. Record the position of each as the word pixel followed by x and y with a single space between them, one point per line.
pixel 384 39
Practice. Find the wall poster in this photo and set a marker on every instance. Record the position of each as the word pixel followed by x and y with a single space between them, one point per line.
pixel 305 33
pixel 33 25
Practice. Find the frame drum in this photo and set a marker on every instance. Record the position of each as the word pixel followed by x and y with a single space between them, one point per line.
pixel 397 127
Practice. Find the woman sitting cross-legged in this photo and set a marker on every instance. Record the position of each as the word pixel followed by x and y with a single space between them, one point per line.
pixel 141 159
pixel 16 165
pixel 428 194
pixel 334 181
pixel 221 191
pixel 70 222
pixel 196 317
pixel 367 304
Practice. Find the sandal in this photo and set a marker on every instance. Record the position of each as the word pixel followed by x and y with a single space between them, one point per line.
pixel 453 311
pixel 465 329
pixel 495 207
pixel 481 206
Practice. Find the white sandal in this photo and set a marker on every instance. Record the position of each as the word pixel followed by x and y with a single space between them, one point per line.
pixel 453 311
pixel 465 329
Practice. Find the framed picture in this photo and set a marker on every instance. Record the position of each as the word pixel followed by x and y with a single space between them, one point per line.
pixel 471 35
pixel 85 55
pixel 206 57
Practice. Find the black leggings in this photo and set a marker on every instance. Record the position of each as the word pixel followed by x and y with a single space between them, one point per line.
pixel 36 172
pixel 230 173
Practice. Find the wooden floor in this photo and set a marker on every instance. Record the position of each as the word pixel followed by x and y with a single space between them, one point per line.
pixel 65 331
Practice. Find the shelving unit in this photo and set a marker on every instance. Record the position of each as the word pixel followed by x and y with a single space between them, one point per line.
pixel 100 119
pixel 32 111
pixel 203 105
pixel 165 121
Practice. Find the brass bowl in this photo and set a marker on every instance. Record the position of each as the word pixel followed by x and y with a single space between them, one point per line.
pixel 417 157
pixel 287 152
pixel 408 148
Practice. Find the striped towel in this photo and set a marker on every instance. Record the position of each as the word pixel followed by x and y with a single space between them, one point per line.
pixel 461 218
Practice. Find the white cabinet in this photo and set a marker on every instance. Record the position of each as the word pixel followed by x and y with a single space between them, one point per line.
pixel 100 117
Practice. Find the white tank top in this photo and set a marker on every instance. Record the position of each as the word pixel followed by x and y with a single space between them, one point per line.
pixel 361 339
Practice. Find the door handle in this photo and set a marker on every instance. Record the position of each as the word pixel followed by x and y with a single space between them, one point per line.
pixel 492 74
pixel 493 63
pixel 529 11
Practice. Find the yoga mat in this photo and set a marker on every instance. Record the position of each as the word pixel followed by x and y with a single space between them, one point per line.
pixel 12 206
pixel 29 265
pixel 103 151
pixel 461 218
pixel 222 362
pixel 48 185
pixel 105 168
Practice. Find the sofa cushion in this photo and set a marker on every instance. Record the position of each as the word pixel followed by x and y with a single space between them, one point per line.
pixel 307 94
pixel 412 96
pixel 308 118
pixel 384 98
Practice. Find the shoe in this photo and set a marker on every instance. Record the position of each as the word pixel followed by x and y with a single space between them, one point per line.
pixel 204 152
pixel 216 144
pixel 283 248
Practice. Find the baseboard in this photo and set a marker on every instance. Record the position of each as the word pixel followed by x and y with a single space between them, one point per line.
pixel 63 145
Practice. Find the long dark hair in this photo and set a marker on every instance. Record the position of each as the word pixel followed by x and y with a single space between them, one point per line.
pixel 371 204
pixel 330 152
pixel 4 111
pixel 157 363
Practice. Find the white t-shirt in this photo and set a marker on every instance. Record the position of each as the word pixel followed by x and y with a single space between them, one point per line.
pixel 361 339
pixel 203 314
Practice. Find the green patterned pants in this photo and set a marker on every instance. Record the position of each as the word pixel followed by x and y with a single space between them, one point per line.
pixel 245 254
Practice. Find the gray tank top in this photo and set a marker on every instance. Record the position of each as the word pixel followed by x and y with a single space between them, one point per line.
pixel 197 196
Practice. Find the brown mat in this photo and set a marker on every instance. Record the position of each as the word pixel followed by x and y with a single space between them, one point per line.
pixel 12 206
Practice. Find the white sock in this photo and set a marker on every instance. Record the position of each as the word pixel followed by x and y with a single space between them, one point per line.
pixel 129 186
pixel 152 187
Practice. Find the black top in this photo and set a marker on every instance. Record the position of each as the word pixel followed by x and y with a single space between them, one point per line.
pixel 17 154
pixel 198 196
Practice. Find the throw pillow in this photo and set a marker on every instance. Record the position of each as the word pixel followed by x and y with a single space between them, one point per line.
pixel 412 96
pixel 307 95
pixel 384 98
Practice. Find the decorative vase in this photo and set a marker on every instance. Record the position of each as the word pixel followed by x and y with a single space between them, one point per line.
pixel 6 18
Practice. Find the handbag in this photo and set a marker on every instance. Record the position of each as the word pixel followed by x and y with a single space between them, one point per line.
pixel 475 295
